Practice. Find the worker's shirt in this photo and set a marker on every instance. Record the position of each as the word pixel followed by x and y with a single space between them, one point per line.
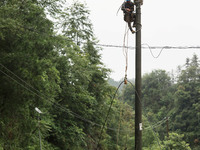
pixel 129 5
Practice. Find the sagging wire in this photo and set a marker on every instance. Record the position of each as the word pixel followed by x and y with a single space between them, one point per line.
pixel 101 132
pixel 70 112
pixel 152 51
pixel 34 91
pixel 159 123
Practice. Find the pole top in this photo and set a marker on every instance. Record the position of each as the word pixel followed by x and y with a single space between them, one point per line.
pixel 139 1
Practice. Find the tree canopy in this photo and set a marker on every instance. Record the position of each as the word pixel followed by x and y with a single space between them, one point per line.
pixel 49 59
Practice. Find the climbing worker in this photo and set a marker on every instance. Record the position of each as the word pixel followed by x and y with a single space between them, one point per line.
pixel 128 9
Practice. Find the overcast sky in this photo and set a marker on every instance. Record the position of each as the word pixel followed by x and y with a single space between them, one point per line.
pixel 164 23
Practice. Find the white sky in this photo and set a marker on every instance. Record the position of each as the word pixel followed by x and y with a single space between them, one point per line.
pixel 164 23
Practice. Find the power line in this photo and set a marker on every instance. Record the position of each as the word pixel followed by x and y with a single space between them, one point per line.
pixel 139 98
pixel 150 47
pixel 46 98
pixel 152 51
pixel 119 46
pixel 159 123
pixel 60 107
pixel 133 47
pixel 38 94
pixel 108 114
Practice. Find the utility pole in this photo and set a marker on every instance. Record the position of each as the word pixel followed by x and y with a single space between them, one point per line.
pixel 138 93
pixel 39 132
pixel 167 122
pixel 39 112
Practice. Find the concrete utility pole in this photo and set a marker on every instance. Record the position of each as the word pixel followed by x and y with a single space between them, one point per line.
pixel 138 93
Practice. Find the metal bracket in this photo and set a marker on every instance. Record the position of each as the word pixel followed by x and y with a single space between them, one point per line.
pixel 139 2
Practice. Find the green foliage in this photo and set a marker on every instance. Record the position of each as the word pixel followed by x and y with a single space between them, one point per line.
pixel 175 141
pixel 26 49
pixel 76 24
pixel 128 95
pixel 177 99
pixel 156 89
pixel 187 101
pixel 63 76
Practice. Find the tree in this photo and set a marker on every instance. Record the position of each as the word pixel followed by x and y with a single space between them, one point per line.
pixel 128 95
pixel 187 101
pixel 26 51
pixel 156 91
pixel 175 141
pixel 76 23
pixel 84 89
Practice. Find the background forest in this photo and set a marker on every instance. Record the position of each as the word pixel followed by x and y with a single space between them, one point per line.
pixel 49 59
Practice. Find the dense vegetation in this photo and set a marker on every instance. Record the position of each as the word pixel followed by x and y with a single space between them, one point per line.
pixel 172 98
pixel 53 63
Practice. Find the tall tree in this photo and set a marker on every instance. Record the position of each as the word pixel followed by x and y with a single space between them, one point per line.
pixel 84 89
pixel 187 101
pixel 156 90
pixel 175 141
pixel 76 23
pixel 26 50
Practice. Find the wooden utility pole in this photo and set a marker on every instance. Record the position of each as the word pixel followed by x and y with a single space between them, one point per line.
pixel 167 122
pixel 138 93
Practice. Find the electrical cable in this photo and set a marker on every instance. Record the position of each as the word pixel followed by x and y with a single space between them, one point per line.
pixel 46 98
pixel 133 48
pixel 20 79
pixel 118 46
pixel 27 85
pixel 125 50
pixel 152 47
pixel 49 100
pixel 70 112
pixel 118 10
pixel 154 132
pixel 159 123
pixel 146 117
pixel 100 136
pixel 152 52
pixel 119 124
pixel 60 106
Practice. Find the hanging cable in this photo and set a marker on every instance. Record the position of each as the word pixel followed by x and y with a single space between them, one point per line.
pixel 152 51
pixel 118 10
pixel 147 119
pixel 101 132
pixel 125 51
pixel 119 124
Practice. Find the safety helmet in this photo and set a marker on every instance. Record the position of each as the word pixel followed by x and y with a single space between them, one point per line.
pixel 127 0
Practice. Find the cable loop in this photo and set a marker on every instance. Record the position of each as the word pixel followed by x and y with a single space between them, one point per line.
pixel 152 51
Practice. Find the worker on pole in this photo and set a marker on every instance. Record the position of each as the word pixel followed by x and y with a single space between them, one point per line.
pixel 129 15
